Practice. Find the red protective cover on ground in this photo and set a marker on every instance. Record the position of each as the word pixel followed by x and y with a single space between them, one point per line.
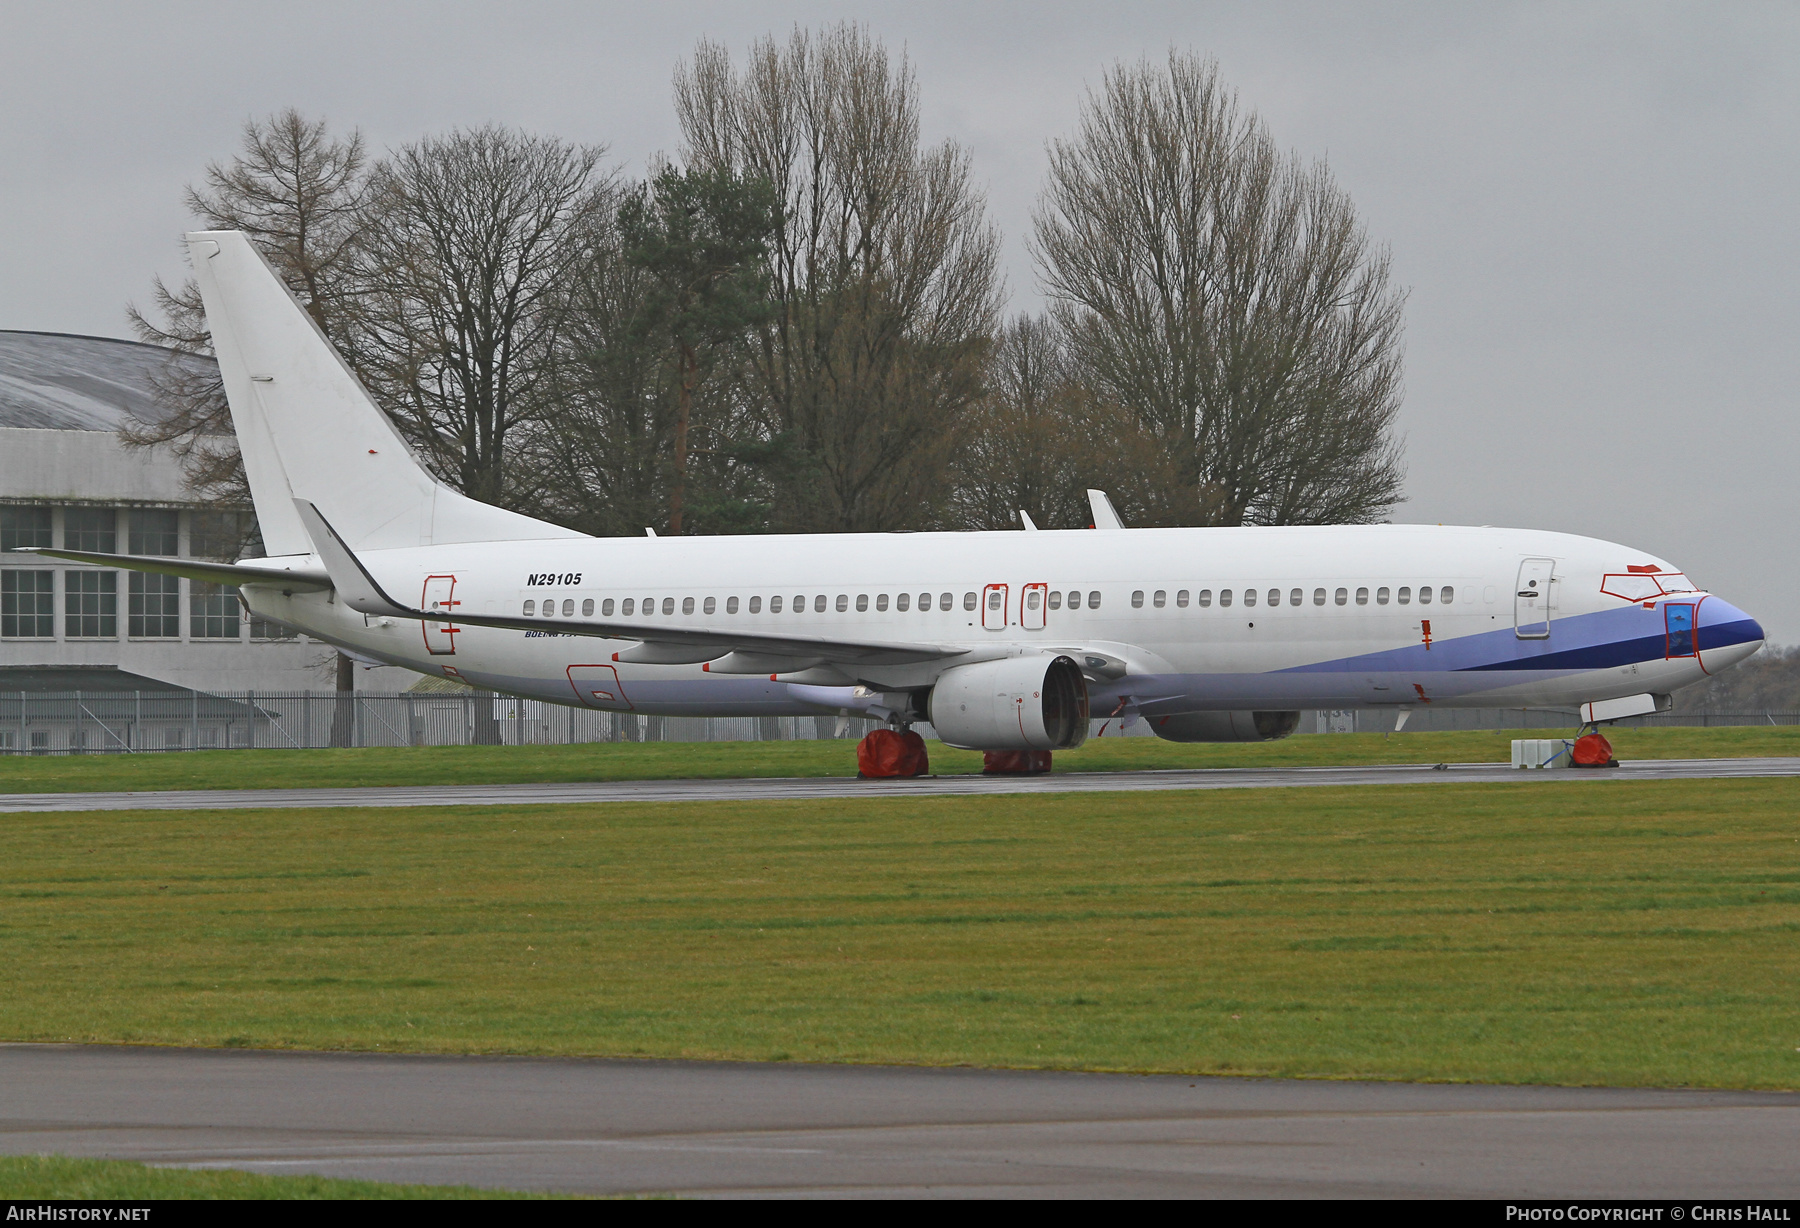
pixel 1592 751
pixel 887 752
pixel 1015 762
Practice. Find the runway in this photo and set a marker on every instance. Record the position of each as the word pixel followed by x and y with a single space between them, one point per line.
pixel 778 1130
pixel 803 788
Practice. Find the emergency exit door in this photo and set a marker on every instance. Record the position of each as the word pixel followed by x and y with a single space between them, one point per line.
pixel 1531 599
pixel 440 596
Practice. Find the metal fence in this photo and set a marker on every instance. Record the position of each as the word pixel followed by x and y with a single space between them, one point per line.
pixel 116 722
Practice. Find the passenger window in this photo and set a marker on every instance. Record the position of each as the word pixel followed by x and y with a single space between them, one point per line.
pixel 1425 595
pixel 549 609
pixel 1381 596
pixel 969 600
pixel 843 603
pixel 1249 596
pixel 1274 596
pixel 880 602
pixel 731 605
pixel 1405 595
pixel 606 607
pixel 530 609
pixel 587 608
pixel 568 607
pixel 1224 598
pixel 947 601
pixel 1074 599
pixel 1181 598
pixel 774 605
pixel 756 605
pixel 819 604
pixel 687 605
pixel 1056 599
pixel 711 605
pixel 1362 596
pixel 1447 594
pixel 903 602
pixel 1137 599
pixel 1161 599
pixel 1319 596
pixel 628 607
pixel 1342 596
pixel 669 605
pixel 1294 597
pixel 1206 598
pixel 994 599
pixel 1033 599
pixel 1094 599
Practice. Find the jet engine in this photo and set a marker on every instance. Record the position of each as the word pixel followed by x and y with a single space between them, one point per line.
pixel 1225 726
pixel 1019 703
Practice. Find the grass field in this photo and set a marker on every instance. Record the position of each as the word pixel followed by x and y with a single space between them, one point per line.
pixel 34 1177
pixel 239 769
pixel 1632 933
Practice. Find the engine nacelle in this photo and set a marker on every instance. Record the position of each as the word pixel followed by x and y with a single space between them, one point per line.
pixel 1019 703
pixel 1225 726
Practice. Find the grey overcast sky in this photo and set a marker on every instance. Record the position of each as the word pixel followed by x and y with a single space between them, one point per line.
pixel 1592 206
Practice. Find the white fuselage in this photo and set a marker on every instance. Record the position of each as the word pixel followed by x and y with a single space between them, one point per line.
pixel 1186 619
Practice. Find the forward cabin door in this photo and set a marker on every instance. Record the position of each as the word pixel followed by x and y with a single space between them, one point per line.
pixel 440 595
pixel 1531 599
pixel 993 607
pixel 1032 603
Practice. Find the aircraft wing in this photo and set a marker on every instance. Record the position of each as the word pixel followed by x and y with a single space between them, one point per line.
pixel 658 644
pixel 232 574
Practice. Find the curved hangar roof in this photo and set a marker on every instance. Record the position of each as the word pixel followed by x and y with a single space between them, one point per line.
pixel 58 382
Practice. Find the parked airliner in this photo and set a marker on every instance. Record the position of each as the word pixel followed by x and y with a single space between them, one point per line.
pixel 1003 641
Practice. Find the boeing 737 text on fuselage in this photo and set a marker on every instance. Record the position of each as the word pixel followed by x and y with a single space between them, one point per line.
pixel 1003 641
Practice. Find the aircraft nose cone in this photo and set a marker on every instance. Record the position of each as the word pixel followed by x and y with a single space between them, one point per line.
pixel 1727 634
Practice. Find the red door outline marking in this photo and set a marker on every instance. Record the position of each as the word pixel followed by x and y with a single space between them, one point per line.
pixel 597 686
pixel 994 616
pixel 439 594
pixel 1030 619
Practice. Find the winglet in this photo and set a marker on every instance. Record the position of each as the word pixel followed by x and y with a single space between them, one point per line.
pixel 1105 517
pixel 1026 517
pixel 352 580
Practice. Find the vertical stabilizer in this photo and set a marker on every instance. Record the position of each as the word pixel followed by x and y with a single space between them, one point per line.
pixel 308 429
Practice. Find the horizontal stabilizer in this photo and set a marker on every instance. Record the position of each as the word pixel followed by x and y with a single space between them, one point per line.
pixel 290 580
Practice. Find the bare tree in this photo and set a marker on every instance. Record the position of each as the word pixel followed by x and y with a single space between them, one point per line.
pixel 467 242
pixel 1228 296
pixel 297 192
pixel 1041 438
pixel 882 268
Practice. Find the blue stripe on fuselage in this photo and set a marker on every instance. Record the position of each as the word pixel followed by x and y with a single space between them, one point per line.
pixel 1602 640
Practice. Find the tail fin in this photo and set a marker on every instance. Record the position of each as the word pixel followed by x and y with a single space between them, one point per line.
pixel 308 429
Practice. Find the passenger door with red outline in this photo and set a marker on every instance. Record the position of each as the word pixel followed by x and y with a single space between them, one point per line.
pixel 993 607
pixel 1034 600
pixel 597 686
pixel 440 594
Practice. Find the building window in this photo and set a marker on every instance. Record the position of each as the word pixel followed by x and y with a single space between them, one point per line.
pixel 153 607
pixel 263 629
pixel 27 604
pixel 90 528
pixel 154 531
pixel 91 604
pixel 24 527
pixel 219 535
pixel 212 612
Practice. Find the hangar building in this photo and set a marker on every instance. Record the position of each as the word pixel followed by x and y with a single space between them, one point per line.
pixel 66 480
